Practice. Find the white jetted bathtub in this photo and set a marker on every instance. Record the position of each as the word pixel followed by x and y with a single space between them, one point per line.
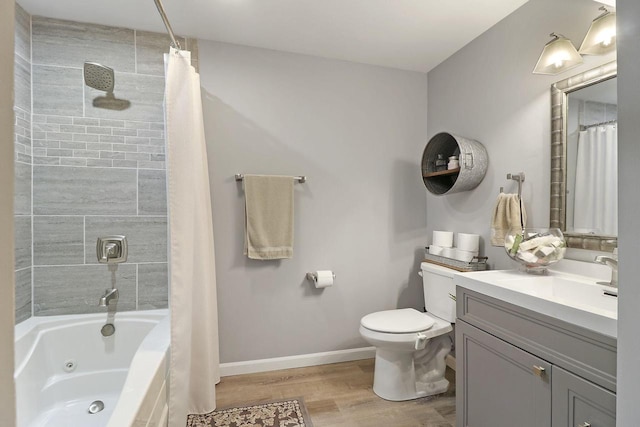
pixel 69 375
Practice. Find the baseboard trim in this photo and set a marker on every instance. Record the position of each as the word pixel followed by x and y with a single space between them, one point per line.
pixel 299 361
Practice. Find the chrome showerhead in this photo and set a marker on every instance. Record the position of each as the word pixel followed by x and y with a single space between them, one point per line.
pixel 99 76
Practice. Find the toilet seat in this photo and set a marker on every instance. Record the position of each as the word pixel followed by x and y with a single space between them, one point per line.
pixel 399 321
pixel 439 327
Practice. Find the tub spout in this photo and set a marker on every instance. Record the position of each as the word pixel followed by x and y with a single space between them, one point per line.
pixel 109 295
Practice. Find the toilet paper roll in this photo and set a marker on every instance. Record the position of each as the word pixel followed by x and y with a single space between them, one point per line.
pixel 443 238
pixel 449 252
pixel 324 278
pixel 435 250
pixel 468 242
pixel 465 256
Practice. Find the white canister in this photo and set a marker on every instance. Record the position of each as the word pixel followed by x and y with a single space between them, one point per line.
pixel 443 239
pixel 449 252
pixel 468 242
pixel 435 250
pixel 466 256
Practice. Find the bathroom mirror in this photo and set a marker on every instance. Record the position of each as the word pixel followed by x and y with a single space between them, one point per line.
pixel 584 168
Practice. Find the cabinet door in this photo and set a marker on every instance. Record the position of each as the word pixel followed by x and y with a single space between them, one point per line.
pixel 498 384
pixel 577 402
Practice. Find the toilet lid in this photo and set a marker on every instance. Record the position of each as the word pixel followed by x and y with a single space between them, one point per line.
pixel 401 321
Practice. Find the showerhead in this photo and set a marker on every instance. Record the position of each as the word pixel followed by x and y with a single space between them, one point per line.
pixel 110 102
pixel 99 76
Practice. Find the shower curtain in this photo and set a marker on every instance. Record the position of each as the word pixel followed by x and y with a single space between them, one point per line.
pixel 596 193
pixel 194 364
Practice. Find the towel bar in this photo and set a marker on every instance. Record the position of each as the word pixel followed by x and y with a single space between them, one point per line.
pixel 519 177
pixel 301 179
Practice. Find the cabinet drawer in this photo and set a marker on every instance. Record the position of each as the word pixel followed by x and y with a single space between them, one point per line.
pixel 588 354
pixel 577 402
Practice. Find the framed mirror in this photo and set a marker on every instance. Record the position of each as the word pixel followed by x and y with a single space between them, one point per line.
pixel 584 168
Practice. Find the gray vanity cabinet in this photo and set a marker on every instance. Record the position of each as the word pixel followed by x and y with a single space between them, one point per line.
pixel 578 402
pixel 501 388
pixel 516 367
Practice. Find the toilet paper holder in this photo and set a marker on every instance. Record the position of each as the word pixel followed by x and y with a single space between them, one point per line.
pixel 313 277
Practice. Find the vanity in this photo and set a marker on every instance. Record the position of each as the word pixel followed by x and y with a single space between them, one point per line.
pixel 540 350
pixel 535 350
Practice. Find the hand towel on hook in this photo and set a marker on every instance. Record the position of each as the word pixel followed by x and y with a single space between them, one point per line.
pixel 506 214
pixel 268 217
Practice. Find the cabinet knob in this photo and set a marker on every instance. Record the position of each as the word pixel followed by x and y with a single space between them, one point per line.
pixel 540 371
pixel 585 424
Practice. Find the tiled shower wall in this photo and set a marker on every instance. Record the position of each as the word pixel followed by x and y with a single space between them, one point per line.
pixel 22 165
pixel 95 171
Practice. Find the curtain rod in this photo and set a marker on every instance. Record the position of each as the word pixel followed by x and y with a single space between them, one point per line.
pixel 163 15
pixel 610 122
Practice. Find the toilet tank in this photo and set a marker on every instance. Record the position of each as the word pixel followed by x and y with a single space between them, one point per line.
pixel 438 287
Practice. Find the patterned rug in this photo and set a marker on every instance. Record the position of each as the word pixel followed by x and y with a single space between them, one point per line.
pixel 279 413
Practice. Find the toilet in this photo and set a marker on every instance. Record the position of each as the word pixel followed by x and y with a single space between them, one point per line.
pixel 411 346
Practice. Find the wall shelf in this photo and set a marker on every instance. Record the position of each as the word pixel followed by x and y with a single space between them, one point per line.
pixel 473 164
pixel 441 173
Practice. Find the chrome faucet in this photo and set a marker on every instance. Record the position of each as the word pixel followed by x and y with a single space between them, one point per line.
pixel 613 263
pixel 109 295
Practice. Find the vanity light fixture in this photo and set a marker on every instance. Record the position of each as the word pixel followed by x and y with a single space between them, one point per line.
pixel 601 37
pixel 559 55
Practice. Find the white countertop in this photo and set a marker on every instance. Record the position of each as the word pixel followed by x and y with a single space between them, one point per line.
pixel 575 299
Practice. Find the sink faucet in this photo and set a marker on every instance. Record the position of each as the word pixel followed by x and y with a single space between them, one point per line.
pixel 613 263
pixel 109 295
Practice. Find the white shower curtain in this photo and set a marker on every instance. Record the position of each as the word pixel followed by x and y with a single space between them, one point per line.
pixel 596 193
pixel 194 364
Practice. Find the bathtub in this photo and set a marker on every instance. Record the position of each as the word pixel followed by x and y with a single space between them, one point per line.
pixel 64 366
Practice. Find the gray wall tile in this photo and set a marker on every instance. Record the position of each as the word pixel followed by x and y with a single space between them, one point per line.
pixel 72 161
pixel 82 121
pixel 57 90
pixel 152 192
pixel 146 236
pixel 22 195
pixel 58 240
pixel 23 33
pixel 23 294
pixel 60 120
pixel 46 161
pixel 68 43
pixel 83 191
pixel 150 50
pixel 22 88
pixel 77 289
pixel 24 158
pixel 153 288
pixel 22 239
pixel 99 163
pixel 146 94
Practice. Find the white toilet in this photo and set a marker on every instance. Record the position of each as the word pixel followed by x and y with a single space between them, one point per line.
pixel 411 346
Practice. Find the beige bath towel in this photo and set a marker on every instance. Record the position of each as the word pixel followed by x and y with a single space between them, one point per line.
pixel 268 217
pixel 506 214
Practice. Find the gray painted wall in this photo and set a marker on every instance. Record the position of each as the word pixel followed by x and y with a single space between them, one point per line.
pixel 486 91
pixel 7 402
pixel 629 200
pixel 357 132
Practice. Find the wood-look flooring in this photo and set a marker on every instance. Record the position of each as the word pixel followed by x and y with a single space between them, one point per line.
pixel 339 395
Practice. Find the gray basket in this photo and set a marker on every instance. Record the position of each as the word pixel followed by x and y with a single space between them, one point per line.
pixel 476 264
pixel 473 160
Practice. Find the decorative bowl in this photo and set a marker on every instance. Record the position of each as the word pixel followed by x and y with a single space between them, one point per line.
pixel 535 248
